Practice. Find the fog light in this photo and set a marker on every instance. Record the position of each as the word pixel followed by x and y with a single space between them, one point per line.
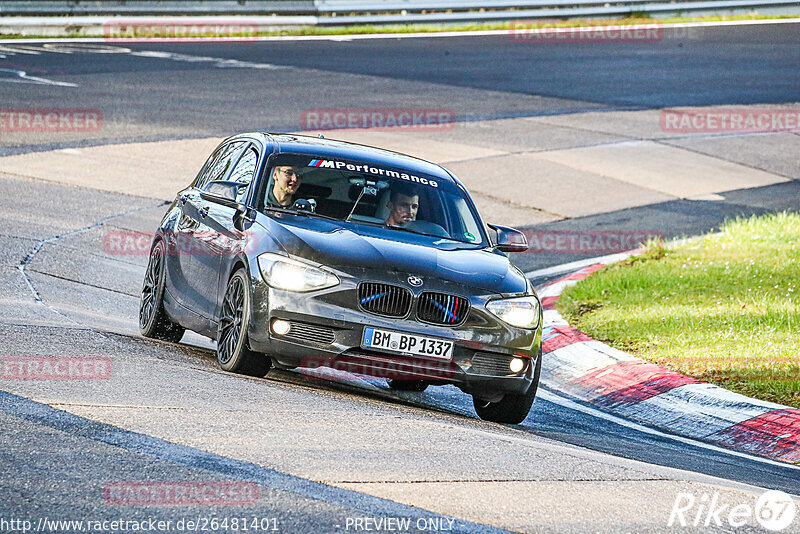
pixel 280 327
pixel 516 365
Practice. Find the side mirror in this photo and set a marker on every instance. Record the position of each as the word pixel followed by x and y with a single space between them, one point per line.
pixel 224 190
pixel 509 239
pixel 241 216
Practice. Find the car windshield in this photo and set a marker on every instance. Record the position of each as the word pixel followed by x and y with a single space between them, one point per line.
pixel 366 193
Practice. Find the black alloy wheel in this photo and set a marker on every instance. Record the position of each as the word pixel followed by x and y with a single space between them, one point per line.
pixel 153 320
pixel 233 352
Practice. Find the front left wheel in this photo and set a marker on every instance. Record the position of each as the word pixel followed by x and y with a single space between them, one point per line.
pixel 233 351
pixel 153 320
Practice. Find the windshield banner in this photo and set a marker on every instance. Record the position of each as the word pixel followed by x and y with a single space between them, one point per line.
pixel 378 171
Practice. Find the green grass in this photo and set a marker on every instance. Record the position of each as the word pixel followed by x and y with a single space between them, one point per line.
pixel 571 23
pixel 640 18
pixel 723 309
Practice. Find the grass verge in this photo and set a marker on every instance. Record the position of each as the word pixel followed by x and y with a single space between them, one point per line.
pixel 526 24
pixel 435 28
pixel 723 309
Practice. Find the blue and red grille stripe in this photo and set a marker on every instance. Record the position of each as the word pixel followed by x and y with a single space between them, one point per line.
pixel 455 310
pixel 449 310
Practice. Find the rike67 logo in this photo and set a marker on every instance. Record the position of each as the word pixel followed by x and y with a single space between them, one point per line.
pixel 774 510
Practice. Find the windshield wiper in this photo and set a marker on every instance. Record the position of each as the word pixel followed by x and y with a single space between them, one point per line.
pixel 409 230
pixel 300 212
pixel 404 229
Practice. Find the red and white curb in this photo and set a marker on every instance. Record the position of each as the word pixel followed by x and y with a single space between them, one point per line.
pixel 631 388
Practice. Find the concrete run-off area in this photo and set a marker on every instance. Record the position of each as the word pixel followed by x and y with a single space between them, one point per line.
pixel 520 171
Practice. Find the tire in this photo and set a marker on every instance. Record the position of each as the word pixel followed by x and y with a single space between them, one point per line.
pixel 233 351
pixel 514 407
pixel 407 385
pixel 153 320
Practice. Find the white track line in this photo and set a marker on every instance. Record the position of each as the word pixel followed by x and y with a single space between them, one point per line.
pixel 566 403
pixel 354 37
pixel 577 265
pixel 610 258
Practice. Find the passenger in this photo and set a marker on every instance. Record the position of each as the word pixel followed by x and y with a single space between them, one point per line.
pixel 403 205
pixel 286 181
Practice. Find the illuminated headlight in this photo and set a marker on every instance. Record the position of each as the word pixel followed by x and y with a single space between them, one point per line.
pixel 522 312
pixel 281 272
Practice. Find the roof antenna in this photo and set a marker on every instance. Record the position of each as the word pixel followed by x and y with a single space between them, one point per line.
pixel 321 136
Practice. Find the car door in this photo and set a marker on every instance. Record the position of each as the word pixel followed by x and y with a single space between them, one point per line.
pixel 219 235
pixel 195 235
pixel 181 234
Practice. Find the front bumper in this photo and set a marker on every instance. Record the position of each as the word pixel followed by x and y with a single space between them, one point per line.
pixel 327 329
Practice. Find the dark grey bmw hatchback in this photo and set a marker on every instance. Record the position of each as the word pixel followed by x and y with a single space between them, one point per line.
pixel 294 251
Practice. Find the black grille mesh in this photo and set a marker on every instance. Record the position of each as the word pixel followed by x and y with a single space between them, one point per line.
pixel 440 308
pixel 491 364
pixel 384 299
pixel 303 333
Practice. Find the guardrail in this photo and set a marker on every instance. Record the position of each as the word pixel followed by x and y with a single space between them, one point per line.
pixel 342 12
pixel 156 7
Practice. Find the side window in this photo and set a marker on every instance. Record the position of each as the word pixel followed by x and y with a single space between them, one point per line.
pixel 201 178
pixel 243 172
pixel 221 163
pixel 467 221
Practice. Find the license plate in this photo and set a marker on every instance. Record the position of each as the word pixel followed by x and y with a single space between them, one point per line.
pixel 400 343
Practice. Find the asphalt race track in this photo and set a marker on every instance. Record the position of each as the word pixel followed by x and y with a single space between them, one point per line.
pixel 155 94
pixel 324 452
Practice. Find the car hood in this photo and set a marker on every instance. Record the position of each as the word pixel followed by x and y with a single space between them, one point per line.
pixel 352 247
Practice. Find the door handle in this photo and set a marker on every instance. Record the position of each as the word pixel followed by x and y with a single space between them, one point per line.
pixel 203 211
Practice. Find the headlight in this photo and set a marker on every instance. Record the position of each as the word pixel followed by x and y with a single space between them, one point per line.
pixel 281 272
pixel 522 312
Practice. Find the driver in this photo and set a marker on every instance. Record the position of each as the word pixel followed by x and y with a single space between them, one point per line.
pixel 285 183
pixel 403 205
